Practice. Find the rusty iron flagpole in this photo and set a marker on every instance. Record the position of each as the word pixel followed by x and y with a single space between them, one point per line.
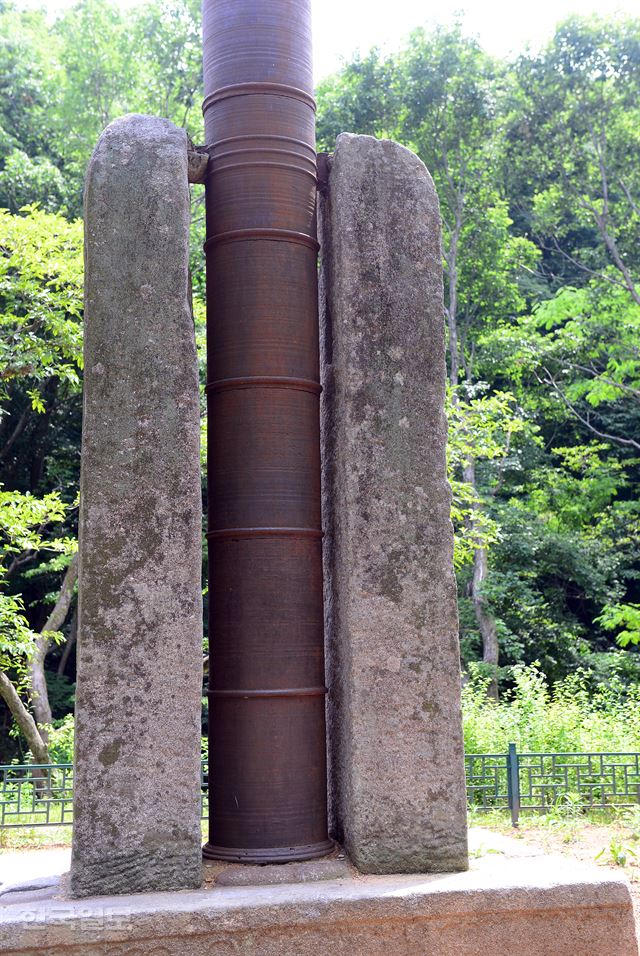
pixel 267 763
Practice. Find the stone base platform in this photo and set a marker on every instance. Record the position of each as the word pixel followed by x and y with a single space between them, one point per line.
pixel 532 906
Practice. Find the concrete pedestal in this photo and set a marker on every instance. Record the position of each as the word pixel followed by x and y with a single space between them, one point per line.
pixel 532 906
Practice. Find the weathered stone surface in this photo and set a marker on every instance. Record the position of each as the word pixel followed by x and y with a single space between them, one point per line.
pixel 536 907
pixel 136 788
pixel 396 753
pixel 312 872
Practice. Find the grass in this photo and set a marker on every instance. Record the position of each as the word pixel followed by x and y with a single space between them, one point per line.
pixel 31 838
pixel 572 716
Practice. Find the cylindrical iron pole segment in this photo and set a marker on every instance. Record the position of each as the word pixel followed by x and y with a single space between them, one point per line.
pixel 267 764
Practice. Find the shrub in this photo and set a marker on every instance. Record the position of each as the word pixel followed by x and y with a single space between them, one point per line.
pixel 571 716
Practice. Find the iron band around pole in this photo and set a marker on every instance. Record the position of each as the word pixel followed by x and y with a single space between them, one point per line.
pixel 278 854
pixel 278 235
pixel 264 381
pixel 261 164
pixel 264 533
pixel 263 149
pixel 281 692
pixel 250 137
pixel 249 89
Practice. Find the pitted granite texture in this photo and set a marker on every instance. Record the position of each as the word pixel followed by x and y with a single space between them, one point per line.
pixel 137 758
pixel 540 906
pixel 397 786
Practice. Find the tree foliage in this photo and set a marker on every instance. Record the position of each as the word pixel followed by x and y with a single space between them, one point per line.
pixel 536 162
pixel 536 165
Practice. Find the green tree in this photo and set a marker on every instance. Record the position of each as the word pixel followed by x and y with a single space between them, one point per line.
pixel 450 93
pixel 168 41
pixel 98 61
pixel 535 166
pixel 575 124
pixel 40 366
pixel 24 531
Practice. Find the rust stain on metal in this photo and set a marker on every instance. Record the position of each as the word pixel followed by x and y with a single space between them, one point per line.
pixel 266 700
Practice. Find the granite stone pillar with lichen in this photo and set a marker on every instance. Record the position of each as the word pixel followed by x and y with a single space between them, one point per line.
pixel 137 758
pixel 397 784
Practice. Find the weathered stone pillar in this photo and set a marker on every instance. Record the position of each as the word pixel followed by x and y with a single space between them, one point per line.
pixel 397 775
pixel 137 770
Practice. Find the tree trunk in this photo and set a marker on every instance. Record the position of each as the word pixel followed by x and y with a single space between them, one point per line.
pixel 39 436
pixel 69 644
pixel 24 720
pixel 484 619
pixel 17 431
pixel 452 311
pixel 38 681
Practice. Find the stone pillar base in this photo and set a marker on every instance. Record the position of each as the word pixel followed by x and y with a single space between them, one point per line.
pixel 532 906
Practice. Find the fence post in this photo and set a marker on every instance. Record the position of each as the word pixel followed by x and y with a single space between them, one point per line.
pixel 513 784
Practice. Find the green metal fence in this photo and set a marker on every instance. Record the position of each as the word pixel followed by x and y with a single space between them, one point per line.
pixel 543 781
pixel 36 795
